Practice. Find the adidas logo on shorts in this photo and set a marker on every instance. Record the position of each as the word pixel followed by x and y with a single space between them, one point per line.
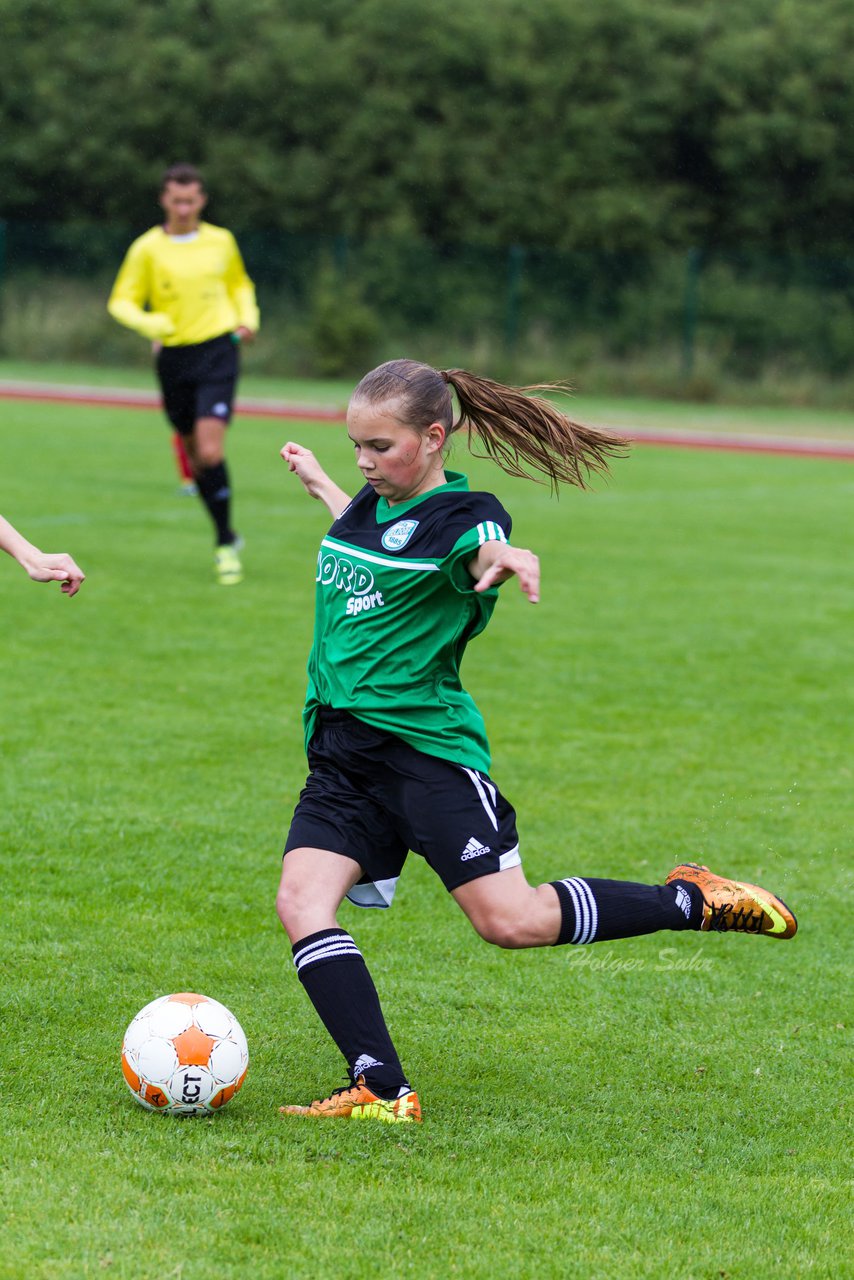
pixel 474 849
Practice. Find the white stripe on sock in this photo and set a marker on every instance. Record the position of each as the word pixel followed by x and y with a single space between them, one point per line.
pixel 590 910
pixel 580 910
pixel 326 949
pixel 331 953
pixel 324 942
pixel 594 910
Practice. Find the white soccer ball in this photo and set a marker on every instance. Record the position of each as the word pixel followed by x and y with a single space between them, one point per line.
pixel 185 1055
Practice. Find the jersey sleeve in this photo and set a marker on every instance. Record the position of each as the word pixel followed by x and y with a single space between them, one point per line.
pixel 485 521
pixel 241 289
pixel 131 293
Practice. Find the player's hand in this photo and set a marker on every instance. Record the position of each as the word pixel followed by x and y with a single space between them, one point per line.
pixel 498 561
pixel 156 348
pixel 56 568
pixel 243 334
pixel 306 467
pixel 315 481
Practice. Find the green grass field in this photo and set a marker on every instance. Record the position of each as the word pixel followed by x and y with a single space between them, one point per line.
pixel 664 1107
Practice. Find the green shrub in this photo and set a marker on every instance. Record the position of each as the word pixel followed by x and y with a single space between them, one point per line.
pixel 342 331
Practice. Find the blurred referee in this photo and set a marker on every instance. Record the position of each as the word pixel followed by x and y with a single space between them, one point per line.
pixel 184 286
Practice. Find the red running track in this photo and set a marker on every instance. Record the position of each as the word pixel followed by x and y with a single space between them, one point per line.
pixel 795 446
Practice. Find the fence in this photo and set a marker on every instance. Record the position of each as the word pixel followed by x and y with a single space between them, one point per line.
pixel 678 322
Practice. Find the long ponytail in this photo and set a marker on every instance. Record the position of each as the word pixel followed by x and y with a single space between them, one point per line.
pixel 522 433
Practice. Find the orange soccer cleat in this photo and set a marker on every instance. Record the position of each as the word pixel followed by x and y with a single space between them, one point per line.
pixel 732 906
pixel 356 1102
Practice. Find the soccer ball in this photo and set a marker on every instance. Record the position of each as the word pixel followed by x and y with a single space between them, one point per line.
pixel 184 1055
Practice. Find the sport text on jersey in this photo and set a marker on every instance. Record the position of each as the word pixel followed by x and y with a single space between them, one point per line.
pixel 349 570
pixel 354 578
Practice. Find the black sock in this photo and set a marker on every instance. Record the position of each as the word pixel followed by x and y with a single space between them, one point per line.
pixel 601 910
pixel 215 493
pixel 331 968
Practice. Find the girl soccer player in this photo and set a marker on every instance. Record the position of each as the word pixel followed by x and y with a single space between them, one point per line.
pixel 397 750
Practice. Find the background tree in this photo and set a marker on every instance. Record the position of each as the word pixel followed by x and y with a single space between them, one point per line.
pixel 627 125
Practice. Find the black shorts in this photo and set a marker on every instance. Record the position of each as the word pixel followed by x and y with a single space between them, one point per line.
pixel 198 381
pixel 372 797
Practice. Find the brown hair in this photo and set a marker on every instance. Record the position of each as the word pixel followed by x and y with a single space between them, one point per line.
pixel 183 174
pixel 519 431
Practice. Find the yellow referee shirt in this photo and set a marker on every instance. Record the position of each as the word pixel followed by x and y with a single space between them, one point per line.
pixel 184 289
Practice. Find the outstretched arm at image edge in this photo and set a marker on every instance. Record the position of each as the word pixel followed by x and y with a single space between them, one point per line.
pixel 41 566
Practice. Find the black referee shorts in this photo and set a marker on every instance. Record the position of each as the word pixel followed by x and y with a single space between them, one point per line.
pixel 198 381
pixel 372 797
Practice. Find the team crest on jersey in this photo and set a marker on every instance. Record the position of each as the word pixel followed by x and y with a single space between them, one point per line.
pixel 395 538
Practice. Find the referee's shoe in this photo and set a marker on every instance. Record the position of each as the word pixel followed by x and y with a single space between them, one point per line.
pixel 229 570
pixel 732 906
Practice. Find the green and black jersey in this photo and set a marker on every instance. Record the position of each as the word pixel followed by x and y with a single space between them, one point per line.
pixel 395 609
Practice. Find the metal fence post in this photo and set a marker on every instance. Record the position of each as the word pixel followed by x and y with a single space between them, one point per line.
pixel 690 306
pixel 341 254
pixel 515 263
pixel 3 231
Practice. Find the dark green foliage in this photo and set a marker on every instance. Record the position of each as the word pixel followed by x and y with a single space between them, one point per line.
pixel 521 188
pixel 673 321
pixel 624 125
pixel 341 331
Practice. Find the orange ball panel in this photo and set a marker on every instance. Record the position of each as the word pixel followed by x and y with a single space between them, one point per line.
pixel 193 1047
pixel 187 997
pixel 130 1075
pixel 154 1095
pixel 224 1096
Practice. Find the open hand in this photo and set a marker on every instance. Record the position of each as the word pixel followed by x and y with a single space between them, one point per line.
pixel 498 561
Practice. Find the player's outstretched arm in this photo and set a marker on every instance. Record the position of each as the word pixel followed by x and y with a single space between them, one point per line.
pixel 40 566
pixel 314 479
pixel 497 561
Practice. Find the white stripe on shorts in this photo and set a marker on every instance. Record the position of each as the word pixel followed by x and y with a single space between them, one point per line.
pixel 375 893
pixel 512 858
pixel 480 787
